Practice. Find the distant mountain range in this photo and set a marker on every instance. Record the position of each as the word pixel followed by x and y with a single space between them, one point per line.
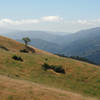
pixel 85 43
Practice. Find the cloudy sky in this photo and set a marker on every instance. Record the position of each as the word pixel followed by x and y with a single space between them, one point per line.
pixel 49 15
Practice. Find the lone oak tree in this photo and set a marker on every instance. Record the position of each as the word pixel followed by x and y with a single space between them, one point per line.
pixel 26 40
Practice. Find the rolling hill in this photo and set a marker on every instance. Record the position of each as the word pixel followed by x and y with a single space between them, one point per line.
pixel 85 43
pixel 79 77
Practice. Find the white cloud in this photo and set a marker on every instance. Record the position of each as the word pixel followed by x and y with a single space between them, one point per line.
pixel 83 22
pixel 51 18
pixel 87 22
pixel 18 22
pixel 42 23
pixel 7 21
pixel 97 20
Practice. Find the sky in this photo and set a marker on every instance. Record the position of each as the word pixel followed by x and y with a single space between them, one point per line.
pixel 49 15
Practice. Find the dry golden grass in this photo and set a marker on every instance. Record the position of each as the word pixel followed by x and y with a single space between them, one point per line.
pixel 11 89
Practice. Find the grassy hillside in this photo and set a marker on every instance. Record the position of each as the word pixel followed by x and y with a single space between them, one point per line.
pixel 12 89
pixel 79 77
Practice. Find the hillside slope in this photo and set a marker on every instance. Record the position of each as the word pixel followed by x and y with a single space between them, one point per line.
pixel 79 77
pixel 14 89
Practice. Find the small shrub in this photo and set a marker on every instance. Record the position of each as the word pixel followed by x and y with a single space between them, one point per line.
pixel 45 66
pixel 24 50
pixel 10 97
pixel 4 48
pixel 18 58
pixel 46 59
pixel 30 49
pixel 57 69
pixel 17 75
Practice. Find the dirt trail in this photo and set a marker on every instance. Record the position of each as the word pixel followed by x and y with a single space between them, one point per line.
pixel 15 87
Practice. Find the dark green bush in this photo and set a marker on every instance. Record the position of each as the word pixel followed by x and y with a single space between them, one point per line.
pixel 4 48
pixel 24 50
pixel 57 69
pixel 18 58
pixel 46 59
